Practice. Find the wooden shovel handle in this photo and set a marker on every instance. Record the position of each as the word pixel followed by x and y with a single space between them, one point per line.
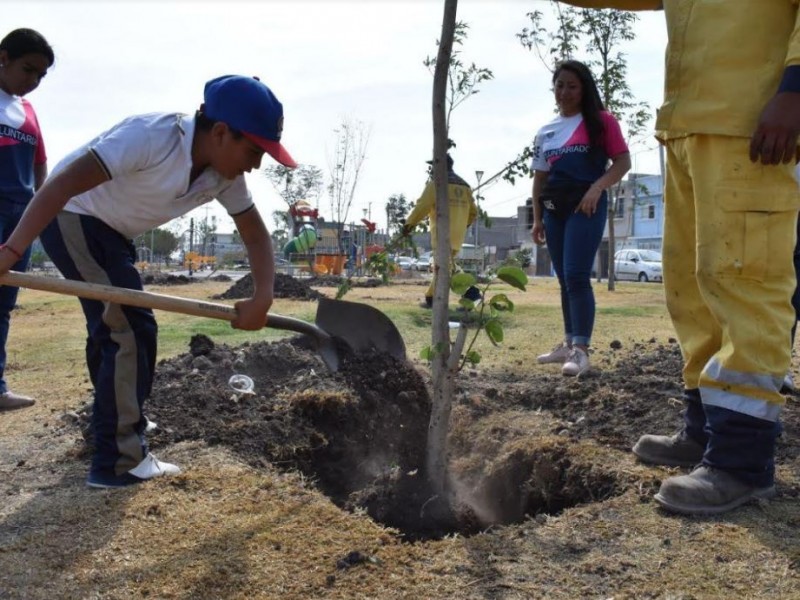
pixel 127 297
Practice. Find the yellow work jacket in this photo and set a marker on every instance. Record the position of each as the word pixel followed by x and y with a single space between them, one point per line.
pixel 724 61
pixel 462 210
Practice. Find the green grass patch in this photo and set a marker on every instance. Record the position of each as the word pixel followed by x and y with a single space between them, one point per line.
pixel 628 311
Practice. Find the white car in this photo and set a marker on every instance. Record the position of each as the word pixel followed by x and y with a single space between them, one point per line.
pixel 638 265
pixel 423 263
pixel 406 263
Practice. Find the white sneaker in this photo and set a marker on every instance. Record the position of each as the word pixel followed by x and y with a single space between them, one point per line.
pixel 149 425
pixel 577 363
pixel 152 467
pixel 558 354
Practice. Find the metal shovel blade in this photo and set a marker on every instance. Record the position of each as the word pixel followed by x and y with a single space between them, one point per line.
pixel 360 326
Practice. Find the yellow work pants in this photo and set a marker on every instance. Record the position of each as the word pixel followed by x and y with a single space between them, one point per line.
pixel 729 237
pixel 453 269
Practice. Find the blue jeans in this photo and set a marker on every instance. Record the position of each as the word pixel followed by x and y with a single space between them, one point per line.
pixel 573 244
pixel 10 214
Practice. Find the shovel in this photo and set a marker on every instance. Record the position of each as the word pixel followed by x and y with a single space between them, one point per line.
pixel 360 327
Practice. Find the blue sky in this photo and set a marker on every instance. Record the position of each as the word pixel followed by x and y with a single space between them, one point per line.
pixel 325 61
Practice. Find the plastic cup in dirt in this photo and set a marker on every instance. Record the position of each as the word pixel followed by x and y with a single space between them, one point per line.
pixel 242 384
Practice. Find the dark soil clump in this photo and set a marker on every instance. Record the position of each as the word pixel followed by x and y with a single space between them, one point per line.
pixel 333 281
pixel 166 279
pixel 285 287
pixel 616 406
pixel 353 430
pixel 170 279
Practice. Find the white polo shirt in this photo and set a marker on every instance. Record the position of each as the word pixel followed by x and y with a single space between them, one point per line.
pixel 148 159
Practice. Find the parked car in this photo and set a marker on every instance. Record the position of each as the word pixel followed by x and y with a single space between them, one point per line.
pixel 404 262
pixel 423 263
pixel 638 265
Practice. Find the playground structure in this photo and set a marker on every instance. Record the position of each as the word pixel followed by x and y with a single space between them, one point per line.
pixel 314 247
pixel 194 261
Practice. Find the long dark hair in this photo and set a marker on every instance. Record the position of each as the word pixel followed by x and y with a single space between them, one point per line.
pixel 26 41
pixel 591 104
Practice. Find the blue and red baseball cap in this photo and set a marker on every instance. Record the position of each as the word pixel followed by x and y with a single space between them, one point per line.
pixel 247 105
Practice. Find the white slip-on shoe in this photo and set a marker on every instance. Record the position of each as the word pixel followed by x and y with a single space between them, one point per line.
pixel 152 467
pixel 558 354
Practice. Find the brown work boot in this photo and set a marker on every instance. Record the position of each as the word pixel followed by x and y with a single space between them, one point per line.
pixel 678 450
pixel 707 491
pixel 12 401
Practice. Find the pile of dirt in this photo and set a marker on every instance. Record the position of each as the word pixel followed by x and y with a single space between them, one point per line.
pixel 166 279
pixel 285 287
pixel 360 432
pixel 520 445
pixel 361 428
pixel 333 281
pixel 170 279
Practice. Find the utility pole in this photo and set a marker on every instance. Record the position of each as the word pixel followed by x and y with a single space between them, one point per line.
pixel 478 176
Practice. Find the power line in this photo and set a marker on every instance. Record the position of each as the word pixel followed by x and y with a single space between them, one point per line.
pixel 512 199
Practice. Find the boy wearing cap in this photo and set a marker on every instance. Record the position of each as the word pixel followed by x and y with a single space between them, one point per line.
pixel 138 175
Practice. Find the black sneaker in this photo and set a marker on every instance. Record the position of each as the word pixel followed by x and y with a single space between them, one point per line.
pixel 473 294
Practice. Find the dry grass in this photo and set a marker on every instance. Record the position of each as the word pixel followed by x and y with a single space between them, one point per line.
pixel 223 530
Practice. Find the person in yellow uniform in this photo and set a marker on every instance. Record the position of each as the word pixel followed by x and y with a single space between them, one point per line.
pixel 729 122
pixel 463 213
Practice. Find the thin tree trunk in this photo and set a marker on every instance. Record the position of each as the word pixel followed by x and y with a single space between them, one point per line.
pixel 443 374
pixel 612 238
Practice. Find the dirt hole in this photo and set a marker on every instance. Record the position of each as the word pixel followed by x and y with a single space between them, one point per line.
pixel 360 434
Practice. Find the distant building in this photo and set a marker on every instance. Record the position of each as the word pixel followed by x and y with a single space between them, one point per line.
pixel 221 245
pixel 639 216
pixel 499 240
pixel 639 219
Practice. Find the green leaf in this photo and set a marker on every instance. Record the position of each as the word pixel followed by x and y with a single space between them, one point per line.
pixel 461 282
pixel 345 287
pixel 513 276
pixel 494 329
pixel 501 303
pixel 468 304
pixel 473 357
pixel 426 353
